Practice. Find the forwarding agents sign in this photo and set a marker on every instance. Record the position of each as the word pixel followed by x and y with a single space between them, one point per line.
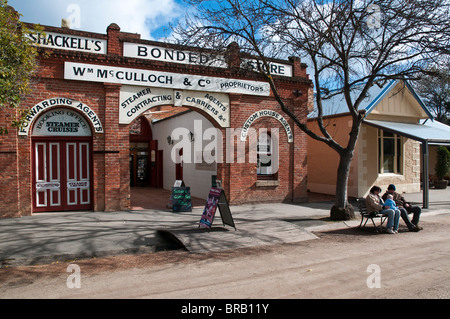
pixel 109 74
pixel 135 100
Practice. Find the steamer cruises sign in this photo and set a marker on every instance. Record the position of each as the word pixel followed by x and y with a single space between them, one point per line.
pixel 136 100
pixel 109 74
pixel 59 121
pixel 68 42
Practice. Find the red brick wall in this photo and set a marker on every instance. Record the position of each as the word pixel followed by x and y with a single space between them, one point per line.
pixel 240 179
pixel 110 180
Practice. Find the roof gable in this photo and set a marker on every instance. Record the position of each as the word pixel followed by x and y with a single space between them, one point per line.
pixel 379 101
pixel 398 102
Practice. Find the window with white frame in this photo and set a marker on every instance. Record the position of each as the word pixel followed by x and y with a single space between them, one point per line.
pixel 264 156
pixel 390 153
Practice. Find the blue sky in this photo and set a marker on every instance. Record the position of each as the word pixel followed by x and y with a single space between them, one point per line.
pixel 150 18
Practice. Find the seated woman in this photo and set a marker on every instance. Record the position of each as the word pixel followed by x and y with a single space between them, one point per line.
pixel 375 203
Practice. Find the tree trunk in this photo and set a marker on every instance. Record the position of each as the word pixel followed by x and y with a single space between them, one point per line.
pixel 342 210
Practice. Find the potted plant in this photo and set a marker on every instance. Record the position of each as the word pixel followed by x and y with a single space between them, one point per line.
pixel 442 167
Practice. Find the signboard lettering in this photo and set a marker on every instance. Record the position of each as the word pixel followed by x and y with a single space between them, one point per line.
pixel 109 74
pixel 49 185
pixel 60 121
pixel 156 53
pixel 135 100
pixel 167 54
pixel 269 113
pixel 73 185
pixel 181 199
pixel 68 42
pixel 44 106
pixel 274 68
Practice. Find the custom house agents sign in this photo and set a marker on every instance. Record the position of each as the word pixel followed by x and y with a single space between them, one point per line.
pixel 136 100
pixel 109 74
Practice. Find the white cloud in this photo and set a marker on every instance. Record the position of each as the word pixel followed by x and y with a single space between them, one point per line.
pixel 136 16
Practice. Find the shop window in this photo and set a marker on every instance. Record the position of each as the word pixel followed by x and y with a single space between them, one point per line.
pixel 265 168
pixel 390 153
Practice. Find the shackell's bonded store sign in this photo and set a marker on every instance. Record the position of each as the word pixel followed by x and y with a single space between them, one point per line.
pixel 68 42
pixel 156 53
pixel 109 74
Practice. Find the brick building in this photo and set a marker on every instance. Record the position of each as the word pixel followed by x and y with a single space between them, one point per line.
pixel 97 108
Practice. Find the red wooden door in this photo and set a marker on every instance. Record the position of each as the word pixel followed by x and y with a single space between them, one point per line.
pixel 62 175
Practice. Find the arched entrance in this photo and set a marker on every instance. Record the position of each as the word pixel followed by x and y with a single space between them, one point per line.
pixel 145 158
pixel 61 161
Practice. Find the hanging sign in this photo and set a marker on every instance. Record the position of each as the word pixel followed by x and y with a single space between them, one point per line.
pixel 216 199
pixel 110 74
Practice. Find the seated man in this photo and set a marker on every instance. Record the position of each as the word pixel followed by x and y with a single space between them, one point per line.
pixel 405 209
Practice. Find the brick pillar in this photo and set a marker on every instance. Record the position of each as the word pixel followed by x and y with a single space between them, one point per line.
pixel 113 39
pixel 233 56
pixel 299 68
pixel 23 159
pixel 301 107
pixel 112 148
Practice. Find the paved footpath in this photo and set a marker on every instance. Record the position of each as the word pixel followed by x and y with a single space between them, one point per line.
pixel 343 263
pixel 47 237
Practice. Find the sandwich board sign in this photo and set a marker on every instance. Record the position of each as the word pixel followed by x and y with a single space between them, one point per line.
pixel 216 199
pixel 180 199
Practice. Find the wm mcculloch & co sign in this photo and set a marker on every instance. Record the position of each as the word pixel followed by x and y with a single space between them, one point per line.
pixel 101 73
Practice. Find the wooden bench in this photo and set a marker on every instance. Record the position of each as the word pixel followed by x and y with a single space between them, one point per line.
pixel 365 215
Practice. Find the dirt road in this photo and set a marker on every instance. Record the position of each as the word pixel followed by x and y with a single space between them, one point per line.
pixel 347 263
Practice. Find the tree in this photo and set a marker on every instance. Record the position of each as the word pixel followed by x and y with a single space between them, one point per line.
pixel 17 60
pixel 434 89
pixel 350 45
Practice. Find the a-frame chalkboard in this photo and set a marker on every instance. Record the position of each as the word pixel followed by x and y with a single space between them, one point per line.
pixel 180 199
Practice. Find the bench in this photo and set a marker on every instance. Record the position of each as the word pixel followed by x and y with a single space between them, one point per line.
pixel 365 215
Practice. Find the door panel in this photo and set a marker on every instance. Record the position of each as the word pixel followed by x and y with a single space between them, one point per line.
pixel 61 179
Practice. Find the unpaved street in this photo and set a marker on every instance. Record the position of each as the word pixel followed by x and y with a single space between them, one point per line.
pixel 341 264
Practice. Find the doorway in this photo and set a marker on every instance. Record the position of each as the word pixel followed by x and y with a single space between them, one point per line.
pixel 61 162
pixel 145 158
